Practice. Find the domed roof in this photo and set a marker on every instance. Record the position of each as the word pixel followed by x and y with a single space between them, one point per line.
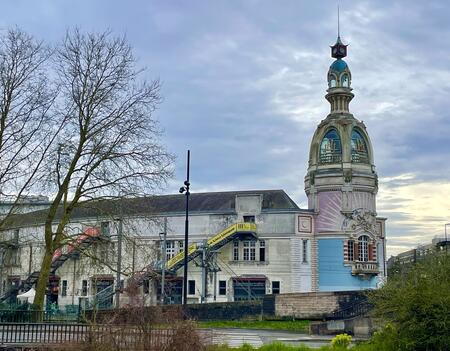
pixel 339 65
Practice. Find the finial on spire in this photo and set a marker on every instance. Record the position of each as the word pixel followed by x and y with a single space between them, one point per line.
pixel 339 32
pixel 338 50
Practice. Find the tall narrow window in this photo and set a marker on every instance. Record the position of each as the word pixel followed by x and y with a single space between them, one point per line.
pixel 222 287
pixel 170 249
pixel 64 288
pixel 305 250
pixel 249 250
pixel 330 148
pixel 262 250
pixel 332 81
pixel 84 288
pixel 350 250
pixel 275 287
pixel 359 148
pixel 363 248
pixel 191 287
pixel 146 286
pixel 180 245
pixel 105 228
pixel 235 250
pixel 345 81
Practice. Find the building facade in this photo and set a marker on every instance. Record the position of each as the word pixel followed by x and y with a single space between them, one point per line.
pixel 242 245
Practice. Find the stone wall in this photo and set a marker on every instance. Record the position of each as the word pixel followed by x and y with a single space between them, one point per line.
pixel 315 305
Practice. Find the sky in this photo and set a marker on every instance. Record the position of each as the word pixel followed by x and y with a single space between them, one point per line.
pixel 244 85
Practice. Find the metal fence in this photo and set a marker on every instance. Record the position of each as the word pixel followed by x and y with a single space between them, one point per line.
pixel 353 309
pixel 30 316
pixel 114 337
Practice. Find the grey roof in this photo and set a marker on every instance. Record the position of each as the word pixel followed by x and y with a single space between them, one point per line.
pixel 211 202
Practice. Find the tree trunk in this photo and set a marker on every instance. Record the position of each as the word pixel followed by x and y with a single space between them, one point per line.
pixel 42 283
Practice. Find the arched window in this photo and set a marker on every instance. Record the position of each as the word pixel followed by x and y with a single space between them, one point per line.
pixel 363 248
pixel 359 148
pixel 345 81
pixel 332 81
pixel 330 148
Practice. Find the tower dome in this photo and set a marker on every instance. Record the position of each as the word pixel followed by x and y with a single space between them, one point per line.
pixel 341 185
pixel 341 156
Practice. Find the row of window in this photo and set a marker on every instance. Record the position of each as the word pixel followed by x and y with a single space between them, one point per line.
pixel 84 288
pixel 345 81
pixel 331 148
pixel 223 287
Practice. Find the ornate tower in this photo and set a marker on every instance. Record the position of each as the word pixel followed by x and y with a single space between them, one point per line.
pixel 341 185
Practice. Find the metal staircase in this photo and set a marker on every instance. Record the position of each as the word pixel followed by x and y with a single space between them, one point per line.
pixel 214 243
pixel 152 271
pixel 60 256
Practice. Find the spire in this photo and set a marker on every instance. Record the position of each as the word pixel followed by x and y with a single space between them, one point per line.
pixel 338 50
pixel 339 78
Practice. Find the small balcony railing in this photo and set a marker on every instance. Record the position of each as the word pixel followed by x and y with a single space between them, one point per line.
pixel 365 268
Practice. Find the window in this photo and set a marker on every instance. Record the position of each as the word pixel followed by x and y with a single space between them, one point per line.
pixel 16 236
pixel 105 228
pixel 363 248
pixel 332 81
pixel 350 250
pixel 249 219
pixel 170 249
pixel 84 288
pixel 249 251
pixel 275 287
pixel 330 148
pixel 222 287
pixel 64 288
pixel 146 286
pixel 359 148
pixel 345 81
pixel 262 250
pixel 305 250
pixel 236 250
pixel 180 245
pixel 191 287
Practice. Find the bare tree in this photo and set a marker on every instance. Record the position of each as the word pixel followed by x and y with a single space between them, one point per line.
pixel 26 128
pixel 109 146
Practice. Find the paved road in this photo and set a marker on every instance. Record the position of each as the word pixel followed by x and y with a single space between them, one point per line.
pixel 237 337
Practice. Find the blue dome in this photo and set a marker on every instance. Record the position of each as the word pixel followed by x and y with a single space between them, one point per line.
pixel 338 65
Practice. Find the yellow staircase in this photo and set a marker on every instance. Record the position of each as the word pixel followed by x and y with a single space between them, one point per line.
pixel 214 243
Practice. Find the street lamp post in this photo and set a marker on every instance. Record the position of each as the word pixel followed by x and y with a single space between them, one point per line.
pixel 445 232
pixel 185 189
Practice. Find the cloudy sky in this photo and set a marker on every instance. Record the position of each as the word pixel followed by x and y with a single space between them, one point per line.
pixel 244 85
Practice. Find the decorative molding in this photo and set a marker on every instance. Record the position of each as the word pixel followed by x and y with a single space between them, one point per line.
pixel 304 224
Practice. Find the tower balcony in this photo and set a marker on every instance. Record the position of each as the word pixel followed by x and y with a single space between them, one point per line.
pixel 365 268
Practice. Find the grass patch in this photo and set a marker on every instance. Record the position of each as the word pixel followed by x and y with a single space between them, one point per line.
pixel 276 346
pixel 301 326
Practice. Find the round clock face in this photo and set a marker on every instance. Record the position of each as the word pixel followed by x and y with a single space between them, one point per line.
pixel 334 50
pixel 342 50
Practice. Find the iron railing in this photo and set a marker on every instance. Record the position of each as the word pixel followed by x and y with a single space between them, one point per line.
pixel 117 337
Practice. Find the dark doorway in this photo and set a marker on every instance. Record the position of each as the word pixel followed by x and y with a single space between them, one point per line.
pixel 249 288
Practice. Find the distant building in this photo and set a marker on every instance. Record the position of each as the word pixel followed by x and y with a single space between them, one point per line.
pixel 243 244
pixel 26 204
pixel 410 257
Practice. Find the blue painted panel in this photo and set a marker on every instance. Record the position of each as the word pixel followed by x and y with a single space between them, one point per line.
pixel 333 275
